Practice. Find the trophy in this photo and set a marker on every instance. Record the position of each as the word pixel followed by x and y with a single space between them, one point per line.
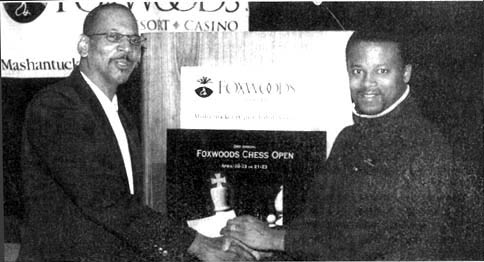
pixel 218 192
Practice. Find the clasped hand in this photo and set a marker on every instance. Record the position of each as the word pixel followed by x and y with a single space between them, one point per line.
pixel 222 249
pixel 254 233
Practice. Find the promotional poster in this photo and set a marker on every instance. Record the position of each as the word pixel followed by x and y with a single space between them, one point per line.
pixel 261 173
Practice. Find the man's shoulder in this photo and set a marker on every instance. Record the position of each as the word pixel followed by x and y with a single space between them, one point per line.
pixel 346 137
pixel 419 128
pixel 425 141
pixel 62 92
pixel 347 132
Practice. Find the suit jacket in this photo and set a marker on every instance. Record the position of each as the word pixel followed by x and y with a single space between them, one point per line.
pixel 78 205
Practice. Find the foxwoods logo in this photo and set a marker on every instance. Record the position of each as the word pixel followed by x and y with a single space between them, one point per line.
pixel 203 91
pixel 245 88
pixel 23 12
pixel 26 12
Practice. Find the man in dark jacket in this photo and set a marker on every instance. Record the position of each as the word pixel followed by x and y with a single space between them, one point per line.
pixel 384 195
pixel 82 166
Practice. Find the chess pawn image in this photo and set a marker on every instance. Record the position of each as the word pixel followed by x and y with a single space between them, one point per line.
pixel 277 219
pixel 218 192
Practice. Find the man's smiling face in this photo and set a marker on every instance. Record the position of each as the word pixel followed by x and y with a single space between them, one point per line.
pixel 377 75
pixel 112 63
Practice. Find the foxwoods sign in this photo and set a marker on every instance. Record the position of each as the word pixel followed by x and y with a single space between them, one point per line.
pixel 39 39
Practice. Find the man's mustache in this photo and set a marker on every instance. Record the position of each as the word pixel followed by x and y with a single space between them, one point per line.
pixel 126 56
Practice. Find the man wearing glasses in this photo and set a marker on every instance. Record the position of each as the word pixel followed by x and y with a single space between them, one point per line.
pixel 82 163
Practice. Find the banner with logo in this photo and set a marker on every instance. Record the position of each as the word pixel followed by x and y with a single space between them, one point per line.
pixel 266 98
pixel 39 39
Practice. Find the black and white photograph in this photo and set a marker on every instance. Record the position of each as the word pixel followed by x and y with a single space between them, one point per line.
pixel 242 130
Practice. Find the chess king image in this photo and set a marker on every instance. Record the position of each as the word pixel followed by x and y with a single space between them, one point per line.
pixel 218 192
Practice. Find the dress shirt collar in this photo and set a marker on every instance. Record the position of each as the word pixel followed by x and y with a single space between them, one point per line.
pixel 101 96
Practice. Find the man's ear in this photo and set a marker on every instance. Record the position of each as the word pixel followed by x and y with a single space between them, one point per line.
pixel 83 46
pixel 407 73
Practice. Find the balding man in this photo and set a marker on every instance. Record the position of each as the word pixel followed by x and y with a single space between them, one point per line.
pixel 82 165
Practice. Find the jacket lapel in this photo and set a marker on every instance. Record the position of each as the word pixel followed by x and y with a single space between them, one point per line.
pixel 94 106
pixel 134 150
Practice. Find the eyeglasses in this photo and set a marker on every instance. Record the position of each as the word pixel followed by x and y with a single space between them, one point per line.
pixel 115 37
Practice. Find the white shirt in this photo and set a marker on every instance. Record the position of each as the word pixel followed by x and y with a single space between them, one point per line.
pixel 111 110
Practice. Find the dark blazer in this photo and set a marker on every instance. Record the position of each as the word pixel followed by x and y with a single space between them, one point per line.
pixel 78 205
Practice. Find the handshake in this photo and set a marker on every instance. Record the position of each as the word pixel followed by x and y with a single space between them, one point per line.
pixel 244 238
